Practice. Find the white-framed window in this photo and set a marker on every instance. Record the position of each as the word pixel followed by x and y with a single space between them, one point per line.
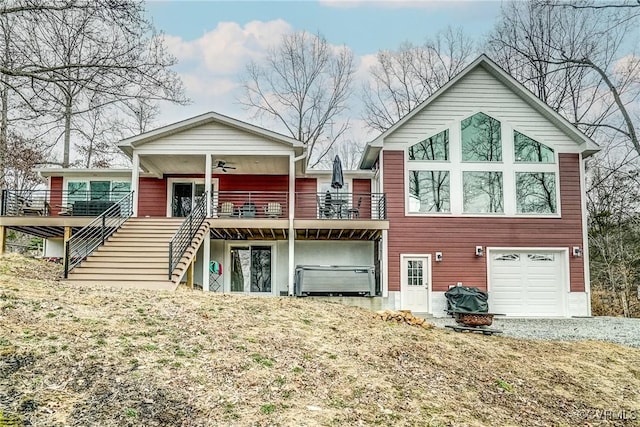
pixel 481 165
pixel 96 189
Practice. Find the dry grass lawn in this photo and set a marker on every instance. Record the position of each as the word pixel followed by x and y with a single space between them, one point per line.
pixel 85 357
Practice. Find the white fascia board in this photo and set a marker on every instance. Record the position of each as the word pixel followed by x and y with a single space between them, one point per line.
pixel 138 140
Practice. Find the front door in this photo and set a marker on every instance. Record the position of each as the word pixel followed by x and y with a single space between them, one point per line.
pixel 414 293
pixel 251 269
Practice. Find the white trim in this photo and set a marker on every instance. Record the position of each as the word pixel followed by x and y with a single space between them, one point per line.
pixel 206 259
pixel 384 270
pixel 226 278
pixel 135 182
pixel 585 235
pixel 208 184
pixel 403 277
pixel 566 276
pixel 291 237
pixel 203 151
pixel 203 119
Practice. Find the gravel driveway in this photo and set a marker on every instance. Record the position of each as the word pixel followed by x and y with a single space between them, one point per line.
pixel 614 329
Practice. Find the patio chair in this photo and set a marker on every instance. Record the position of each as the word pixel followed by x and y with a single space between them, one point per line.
pixel 226 209
pixel 325 210
pixel 36 207
pixel 273 210
pixel 354 212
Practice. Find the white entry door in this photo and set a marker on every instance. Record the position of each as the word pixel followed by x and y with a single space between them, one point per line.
pixel 414 292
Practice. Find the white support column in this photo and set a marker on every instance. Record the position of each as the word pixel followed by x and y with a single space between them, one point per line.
pixel 206 259
pixel 292 201
pixel 207 182
pixel 135 181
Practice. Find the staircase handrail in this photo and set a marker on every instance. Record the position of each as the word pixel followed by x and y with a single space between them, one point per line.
pixel 186 232
pixel 93 235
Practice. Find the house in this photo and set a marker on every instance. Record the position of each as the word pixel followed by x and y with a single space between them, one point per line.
pixel 481 185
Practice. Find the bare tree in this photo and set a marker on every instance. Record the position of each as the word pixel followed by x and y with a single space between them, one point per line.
pixel 304 85
pixel 87 56
pixel 574 60
pixel 402 79
pixel 26 154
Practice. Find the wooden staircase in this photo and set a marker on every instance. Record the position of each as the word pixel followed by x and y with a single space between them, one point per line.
pixel 137 256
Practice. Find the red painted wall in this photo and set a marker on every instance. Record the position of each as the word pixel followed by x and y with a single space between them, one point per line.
pixel 55 198
pixel 457 237
pixel 361 191
pixel 253 182
pixel 152 197
pixel 306 204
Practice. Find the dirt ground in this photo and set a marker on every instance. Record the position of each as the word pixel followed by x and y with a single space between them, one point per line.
pixel 79 357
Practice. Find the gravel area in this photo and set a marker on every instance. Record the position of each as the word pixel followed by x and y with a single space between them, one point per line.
pixel 613 329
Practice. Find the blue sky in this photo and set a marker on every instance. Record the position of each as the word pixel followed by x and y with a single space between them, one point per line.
pixel 214 40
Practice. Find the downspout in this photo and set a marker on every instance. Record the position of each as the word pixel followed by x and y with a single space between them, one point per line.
pixel 292 203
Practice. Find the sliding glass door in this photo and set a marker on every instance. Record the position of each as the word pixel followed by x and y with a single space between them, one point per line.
pixel 251 269
pixel 185 196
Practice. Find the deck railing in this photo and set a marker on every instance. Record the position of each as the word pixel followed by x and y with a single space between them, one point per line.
pixel 185 234
pixel 343 206
pixel 90 237
pixel 250 204
pixel 57 202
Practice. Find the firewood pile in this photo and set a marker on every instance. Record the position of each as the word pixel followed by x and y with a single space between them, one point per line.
pixel 403 316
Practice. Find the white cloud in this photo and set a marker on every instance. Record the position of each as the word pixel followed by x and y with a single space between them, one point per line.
pixel 365 63
pixel 388 4
pixel 229 47
pixel 210 65
pixel 628 67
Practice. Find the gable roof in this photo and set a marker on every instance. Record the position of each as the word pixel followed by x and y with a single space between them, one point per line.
pixel 590 147
pixel 128 144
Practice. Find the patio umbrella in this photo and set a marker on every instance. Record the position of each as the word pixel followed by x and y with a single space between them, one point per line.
pixel 337 180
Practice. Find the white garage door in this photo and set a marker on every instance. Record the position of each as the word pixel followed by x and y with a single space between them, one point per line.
pixel 527 283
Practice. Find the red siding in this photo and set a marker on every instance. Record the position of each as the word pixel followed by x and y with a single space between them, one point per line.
pixel 361 191
pixel 152 200
pixel 306 205
pixel 55 198
pixel 152 197
pixel 253 182
pixel 457 237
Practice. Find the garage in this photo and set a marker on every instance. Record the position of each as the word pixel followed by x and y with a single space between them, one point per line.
pixel 528 283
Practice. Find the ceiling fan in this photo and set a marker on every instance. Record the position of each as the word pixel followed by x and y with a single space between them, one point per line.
pixel 223 165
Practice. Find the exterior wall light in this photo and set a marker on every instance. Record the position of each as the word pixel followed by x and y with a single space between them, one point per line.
pixel 438 256
pixel 479 251
pixel 576 252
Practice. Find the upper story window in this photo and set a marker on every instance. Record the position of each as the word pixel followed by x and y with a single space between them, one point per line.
pixel 429 191
pixel 433 148
pixel 530 150
pixel 481 139
pixel 472 172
